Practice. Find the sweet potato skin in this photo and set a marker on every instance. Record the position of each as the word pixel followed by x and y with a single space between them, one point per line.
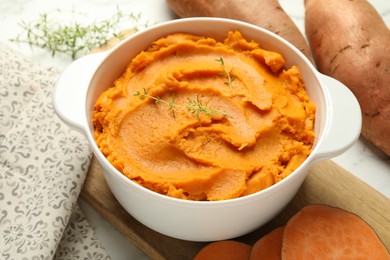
pixel 350 42
pixel 267 14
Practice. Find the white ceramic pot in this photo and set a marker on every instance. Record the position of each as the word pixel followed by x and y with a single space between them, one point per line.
pixel 337 126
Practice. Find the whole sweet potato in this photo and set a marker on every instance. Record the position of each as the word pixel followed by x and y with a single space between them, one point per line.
pixel 267 14
pixel 351 43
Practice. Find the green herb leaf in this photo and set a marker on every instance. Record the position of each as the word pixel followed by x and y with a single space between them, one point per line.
pixel 226 73
pixel 193 107
pixel 74 39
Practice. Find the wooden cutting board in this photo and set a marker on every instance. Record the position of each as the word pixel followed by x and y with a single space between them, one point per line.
pixel 326 183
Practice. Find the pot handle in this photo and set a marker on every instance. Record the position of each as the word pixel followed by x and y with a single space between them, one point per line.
pixel 345 120
pixel 70 90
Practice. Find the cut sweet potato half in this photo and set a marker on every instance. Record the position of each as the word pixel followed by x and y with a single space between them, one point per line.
pixel 225 249
pixel 269 246
pixel 324 232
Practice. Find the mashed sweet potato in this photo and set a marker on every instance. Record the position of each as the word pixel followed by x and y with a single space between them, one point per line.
pixel 198 119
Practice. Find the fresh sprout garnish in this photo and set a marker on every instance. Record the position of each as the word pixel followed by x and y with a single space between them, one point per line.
pixel 194 106
pixel 226 73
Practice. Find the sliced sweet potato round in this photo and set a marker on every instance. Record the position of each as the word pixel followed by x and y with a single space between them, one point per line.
pixel 324 232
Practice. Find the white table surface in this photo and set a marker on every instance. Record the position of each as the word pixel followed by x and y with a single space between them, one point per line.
pixel 363 160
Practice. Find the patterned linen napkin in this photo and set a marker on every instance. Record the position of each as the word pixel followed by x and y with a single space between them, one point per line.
pixel 43 164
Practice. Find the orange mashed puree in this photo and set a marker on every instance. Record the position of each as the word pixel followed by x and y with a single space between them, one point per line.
pixel 194 118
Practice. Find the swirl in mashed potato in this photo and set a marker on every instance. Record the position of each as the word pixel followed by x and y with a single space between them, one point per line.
pixel 266 134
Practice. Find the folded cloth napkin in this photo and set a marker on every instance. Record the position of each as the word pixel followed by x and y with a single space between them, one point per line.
pixel 43 164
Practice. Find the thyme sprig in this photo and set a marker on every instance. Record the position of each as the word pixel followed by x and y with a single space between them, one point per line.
pixel 226 73
pixel 73 38
pixel 194 106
